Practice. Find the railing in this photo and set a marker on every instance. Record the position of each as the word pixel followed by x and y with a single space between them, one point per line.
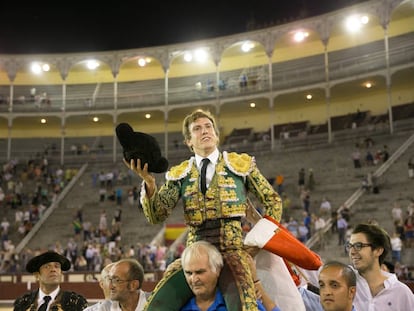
pixel 359 192
pixel 84 283
pixel 300 72
pixel 26 149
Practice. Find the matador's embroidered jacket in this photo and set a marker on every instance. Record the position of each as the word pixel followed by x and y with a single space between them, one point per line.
pixel 64 301
pixel 225 199
pixel 215 216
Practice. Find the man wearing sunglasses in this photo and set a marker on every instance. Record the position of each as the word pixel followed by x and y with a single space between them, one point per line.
pixel 377 290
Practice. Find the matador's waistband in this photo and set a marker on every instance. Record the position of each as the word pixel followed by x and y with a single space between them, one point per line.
pixel 211 230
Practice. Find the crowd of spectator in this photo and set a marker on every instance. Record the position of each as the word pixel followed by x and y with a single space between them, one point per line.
pixel 26 191
pixel 92 246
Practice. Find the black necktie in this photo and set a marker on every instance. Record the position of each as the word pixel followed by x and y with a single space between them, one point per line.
pixel 203 182
pixel 43 306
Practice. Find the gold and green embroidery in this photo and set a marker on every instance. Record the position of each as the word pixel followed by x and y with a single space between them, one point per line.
pixel 240 164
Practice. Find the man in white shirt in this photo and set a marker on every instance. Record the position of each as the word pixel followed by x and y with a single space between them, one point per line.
pixel 377 290
pixel 104 285
pixel 125 282
pixel 325 207
pixel 5 225
pixel 319 225
pixel 396 212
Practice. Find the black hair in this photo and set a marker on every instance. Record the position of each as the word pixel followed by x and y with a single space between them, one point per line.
pixel 376 236
pixel 347 272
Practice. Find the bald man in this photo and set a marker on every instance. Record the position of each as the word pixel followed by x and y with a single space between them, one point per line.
pixel 105 286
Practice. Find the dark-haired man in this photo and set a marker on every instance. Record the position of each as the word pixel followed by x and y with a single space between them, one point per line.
pixel 337 286
pixel 376 289
pixel 47 269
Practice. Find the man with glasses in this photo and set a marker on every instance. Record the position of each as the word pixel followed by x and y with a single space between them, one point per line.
pixel 125 282
pixel 376 289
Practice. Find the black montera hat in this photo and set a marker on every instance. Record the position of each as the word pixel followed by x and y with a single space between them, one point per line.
pixel 35 263
pixel 138 145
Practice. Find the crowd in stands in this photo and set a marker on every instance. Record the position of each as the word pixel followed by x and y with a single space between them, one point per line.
pixel 93 246
pixel 403 226
pixel 313 219
pixel 26 191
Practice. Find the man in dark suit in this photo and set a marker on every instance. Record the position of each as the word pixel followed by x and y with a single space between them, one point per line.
pixel 47 269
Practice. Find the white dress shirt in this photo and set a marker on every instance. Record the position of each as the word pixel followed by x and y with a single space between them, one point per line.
pixel 211 167
pixel 52 295
pixel 396 296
